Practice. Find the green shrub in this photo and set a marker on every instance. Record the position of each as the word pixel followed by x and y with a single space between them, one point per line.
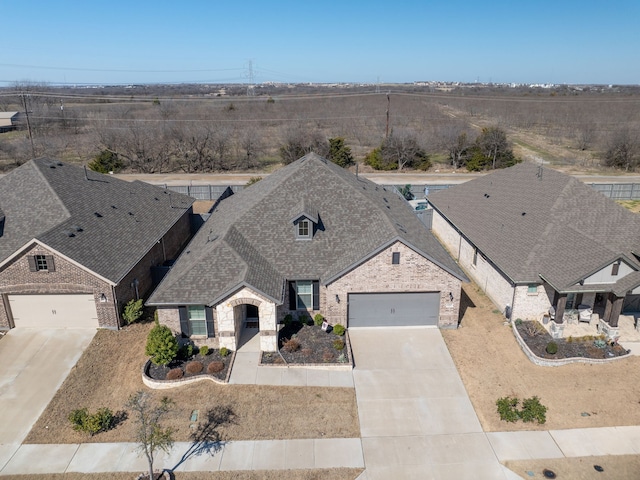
pixel 518 321
pixel 288 318
pixel 338 329
pixel 508 408
pixel 224 351
pixel 186 351
pixel 552 348
pixel 162 345
pixel 132 311
pixel 600 343
pixel 338 344
pixel 303 318
pixel 532 410
pixel 318 319
pixel 204 350
pixel 83 421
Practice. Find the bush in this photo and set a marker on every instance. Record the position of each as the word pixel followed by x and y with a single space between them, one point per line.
pixel 162 345
pixel 186 351
pixel 224 351
pixel 132 311
pixel 327 356
pixel 338 344
pixel 288 318
pixel 600 343
pixel 508 409
pixel 82 421
pixel 291 345
pixel 174 374
pixel 303 318
pixel 532 410
pixel 552 348
pixel 339 329
pixel 318 319
pixel 194 367
pixel 204 350
pixel 106 161
pixel 215 367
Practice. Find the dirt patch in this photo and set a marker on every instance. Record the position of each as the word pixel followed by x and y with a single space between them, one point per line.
pixel 539 342
pixel 308 344
pixel 110 371
pixel 319 474
pixel 492 365
pixel 616 467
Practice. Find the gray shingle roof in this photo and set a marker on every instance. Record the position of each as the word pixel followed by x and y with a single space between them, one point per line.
pixel 55 203
pixel 250 240
pixel 532 221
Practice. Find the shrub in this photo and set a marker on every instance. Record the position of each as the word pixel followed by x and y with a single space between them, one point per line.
pixel 132 311
pixel 204 350
pixel 532 410
pixel 186 351
pixel 338 344
pixel 83 421
pixel 318 319
pixel 600 343
pixel 303 318
pixel 291 345
pixel 174 374
pixel 342 358
pixel 215 367
pixel 552 348
pixel 194 367
pixel 288 318
pixel 508 408
pixel 224 351
pixel 338 330
pixel 327 356
pixel 161 346
pixel 306 352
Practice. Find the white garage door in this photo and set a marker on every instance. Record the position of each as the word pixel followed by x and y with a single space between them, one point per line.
pixel 393 309
pixel 53 311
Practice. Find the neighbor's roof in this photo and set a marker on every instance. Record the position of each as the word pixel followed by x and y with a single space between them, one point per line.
pixel 250 239
pixel 99 221
pixel 5 115
pixel 532 221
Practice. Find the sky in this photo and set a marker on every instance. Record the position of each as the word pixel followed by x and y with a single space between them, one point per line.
pixel 354 41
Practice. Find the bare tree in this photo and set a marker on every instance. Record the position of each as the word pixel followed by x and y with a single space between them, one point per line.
pixel 456 140
pixel 586 135
pixel 403 149
pixel 623 150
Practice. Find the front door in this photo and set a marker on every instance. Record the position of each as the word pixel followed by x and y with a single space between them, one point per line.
pixel 252 320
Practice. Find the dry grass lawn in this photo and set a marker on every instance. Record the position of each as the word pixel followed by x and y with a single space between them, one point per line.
pixel 492 365
pixel 581 468
pixel 320 474
pixel 110 371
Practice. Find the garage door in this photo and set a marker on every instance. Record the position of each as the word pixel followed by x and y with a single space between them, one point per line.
pixel 631 303
pixel 53 311
pixel 393 309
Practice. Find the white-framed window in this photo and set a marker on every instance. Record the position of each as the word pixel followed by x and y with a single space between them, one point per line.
pixel 304 291
pixel 532 289
pixel 395 258
pixel 41 263
pixel 197 320
pixel 304 229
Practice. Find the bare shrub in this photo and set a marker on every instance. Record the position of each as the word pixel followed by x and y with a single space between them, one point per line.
pixel 215 367
pixel 291 345
pixel 174 374
pixel 194 367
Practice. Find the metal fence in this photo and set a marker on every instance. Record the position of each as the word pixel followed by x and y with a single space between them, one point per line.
pixel 618 191
pixel 203 192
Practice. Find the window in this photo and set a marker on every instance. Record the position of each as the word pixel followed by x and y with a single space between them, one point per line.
pixel 475 257
pixel 304 289
pixel 395 258
pixel 532 289
pixel 615 268
pixel 197 320
pixel 41 263
pixel 304 230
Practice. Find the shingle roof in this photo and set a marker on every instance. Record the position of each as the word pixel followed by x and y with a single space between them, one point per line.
pixel 532 221
pixel 99 221
pixel 250 240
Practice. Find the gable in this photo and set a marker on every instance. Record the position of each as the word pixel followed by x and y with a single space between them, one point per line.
pixel 606 274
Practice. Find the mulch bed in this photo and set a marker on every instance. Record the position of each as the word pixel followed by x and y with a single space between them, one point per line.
pixel 314 346
pixel 159 372
pixel 537 338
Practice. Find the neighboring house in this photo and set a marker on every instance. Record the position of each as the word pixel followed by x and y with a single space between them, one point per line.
pixel 7 121
pixel 534 238
pixel 76 245
pixel 310 238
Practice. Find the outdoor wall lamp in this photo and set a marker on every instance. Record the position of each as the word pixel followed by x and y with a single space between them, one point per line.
pixel 337 298
pixel 451 296
pixel 103 298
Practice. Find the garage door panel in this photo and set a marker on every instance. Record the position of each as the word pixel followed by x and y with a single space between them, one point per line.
pixel 53 311
pixel 393 309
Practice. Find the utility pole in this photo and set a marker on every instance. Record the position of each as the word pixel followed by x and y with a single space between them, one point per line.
pixel 26 112
pixel 250 91
pixel 388 107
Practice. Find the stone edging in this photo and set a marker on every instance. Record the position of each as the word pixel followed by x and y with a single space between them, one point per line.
pixel 551 362
pixel 317 366
pixel 166 384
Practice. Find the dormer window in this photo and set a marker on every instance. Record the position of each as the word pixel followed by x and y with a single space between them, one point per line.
pixel 304 229
pixel 305 221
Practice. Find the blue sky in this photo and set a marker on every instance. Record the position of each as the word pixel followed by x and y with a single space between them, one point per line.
pixel 122 42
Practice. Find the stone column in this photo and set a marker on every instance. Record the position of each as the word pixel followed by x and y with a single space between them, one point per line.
pixel 226 326
pixel 607 309
pixel 268 327
pixel 562 302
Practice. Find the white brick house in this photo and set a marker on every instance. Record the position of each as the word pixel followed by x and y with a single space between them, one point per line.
pixel 310 238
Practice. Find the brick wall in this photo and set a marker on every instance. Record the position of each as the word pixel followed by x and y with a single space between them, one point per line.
pixel 16 278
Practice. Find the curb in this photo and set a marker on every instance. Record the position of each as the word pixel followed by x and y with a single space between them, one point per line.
pixel 166 384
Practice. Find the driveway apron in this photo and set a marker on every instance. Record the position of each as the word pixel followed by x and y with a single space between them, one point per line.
pixel 33 365
pixel 416 419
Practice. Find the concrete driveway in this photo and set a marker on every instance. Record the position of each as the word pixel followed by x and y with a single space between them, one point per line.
pixel 416 419
pixel 33 365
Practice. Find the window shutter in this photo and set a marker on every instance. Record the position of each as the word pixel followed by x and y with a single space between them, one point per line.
pixel 293 297
pixel 32 263
pixel 51 266
pixel 184 321
pixel 316 295
pixel 208 312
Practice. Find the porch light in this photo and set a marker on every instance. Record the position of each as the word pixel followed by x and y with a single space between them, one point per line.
pixel 103 298
pixel 337 298
pixel 451 296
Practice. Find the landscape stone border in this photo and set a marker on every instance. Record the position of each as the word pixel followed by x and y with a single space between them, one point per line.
pixel 316 366
pixel 166 384
pixel 552 362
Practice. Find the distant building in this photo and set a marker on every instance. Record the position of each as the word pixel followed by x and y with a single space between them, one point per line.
pixel 8 121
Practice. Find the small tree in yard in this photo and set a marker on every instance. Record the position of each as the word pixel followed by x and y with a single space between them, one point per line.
pixel 150 435
pixel 162 345
pixel 339 153
pixel 132 311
